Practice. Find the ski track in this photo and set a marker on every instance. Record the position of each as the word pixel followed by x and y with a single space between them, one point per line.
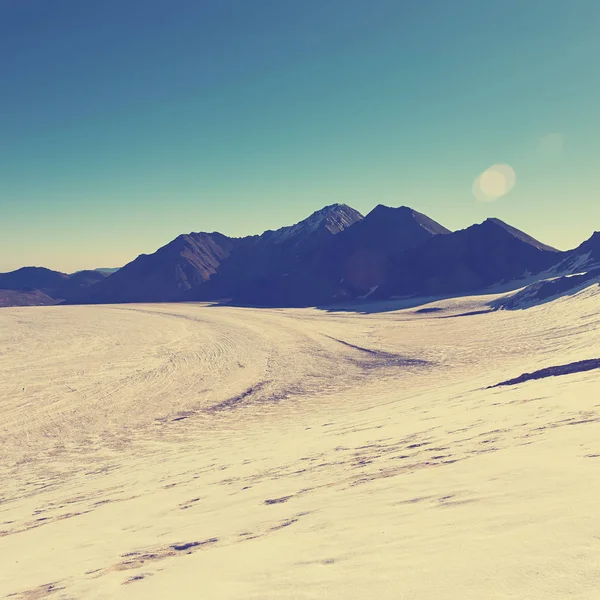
pixel 183 451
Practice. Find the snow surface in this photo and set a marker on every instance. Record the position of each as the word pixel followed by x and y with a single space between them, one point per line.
pixel 575 264
pixel 187 451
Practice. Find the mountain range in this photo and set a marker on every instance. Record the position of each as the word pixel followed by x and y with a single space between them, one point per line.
pixel 334 256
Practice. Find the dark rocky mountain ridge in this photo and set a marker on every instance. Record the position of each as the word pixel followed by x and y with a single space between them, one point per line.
pixel 343 266
pixel 468 260
pixel 184 263
pixel 253 274
pixel 332 256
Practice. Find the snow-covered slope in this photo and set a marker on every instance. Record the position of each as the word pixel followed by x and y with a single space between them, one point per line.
pixel 548 290
pixel 583 258
pixel 185 451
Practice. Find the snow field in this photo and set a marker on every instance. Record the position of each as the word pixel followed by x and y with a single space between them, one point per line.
pixel 189 451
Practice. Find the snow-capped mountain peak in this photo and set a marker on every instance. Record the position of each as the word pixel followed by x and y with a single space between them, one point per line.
pixel 333 218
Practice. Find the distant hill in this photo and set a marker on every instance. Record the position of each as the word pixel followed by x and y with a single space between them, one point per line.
pixel 38 286
pixel 108 271
pixel 32 278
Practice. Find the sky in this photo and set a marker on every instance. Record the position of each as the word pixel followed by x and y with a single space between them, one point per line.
pixel 126 123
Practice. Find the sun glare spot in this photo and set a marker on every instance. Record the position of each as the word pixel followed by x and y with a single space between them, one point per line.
pixel 495 182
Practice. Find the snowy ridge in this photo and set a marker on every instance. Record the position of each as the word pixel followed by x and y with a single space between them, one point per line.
pixel 581 259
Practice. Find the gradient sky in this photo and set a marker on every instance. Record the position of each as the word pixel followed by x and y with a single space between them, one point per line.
pixel 124 123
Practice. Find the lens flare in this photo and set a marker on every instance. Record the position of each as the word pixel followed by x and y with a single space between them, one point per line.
pixel 495 182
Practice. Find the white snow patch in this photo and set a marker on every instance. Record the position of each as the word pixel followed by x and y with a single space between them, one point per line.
pixel 369 293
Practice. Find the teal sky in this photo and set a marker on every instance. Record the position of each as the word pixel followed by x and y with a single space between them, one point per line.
pixel 124 123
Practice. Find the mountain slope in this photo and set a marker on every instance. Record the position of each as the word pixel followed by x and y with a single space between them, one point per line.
pixel 188 261
pixel 25 298
pixel 468 260
pixel 520 235
pixel 361 255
